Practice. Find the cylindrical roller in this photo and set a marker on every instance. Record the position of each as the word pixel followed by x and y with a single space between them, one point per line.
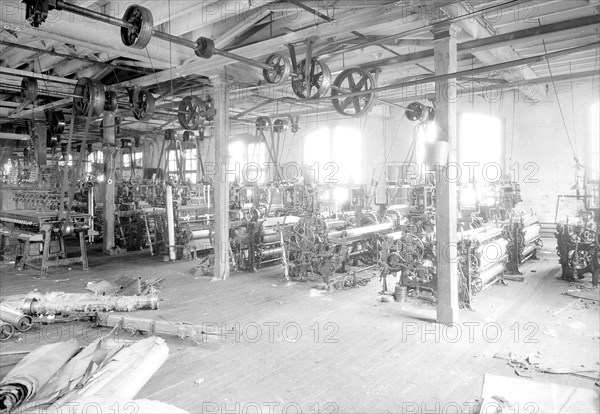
pixel 200 234
pixel 273 221
pixel 397 235
pixel 6 331
pixel 335 224
pixel 362 231
pixel 83 302
pixel 529 220
pixel 271 253
pixel 527 252
pixel 491 273
pixel 531 233
pixel 484 236
pixel 16 318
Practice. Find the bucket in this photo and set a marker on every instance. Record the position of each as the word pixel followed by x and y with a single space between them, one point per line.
pixel 400 293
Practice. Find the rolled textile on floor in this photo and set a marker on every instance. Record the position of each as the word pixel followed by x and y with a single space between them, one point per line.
pixel 60 302
pixel 33 372
pixel 16 318
pixel 124 375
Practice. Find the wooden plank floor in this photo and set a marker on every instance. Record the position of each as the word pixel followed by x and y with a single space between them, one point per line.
pixel 312 351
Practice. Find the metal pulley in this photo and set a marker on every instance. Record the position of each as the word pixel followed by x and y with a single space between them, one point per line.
pixel 89 98
pixel 138 35
pixel 56 121
pixel 187 136
pixel 314 85
pixel 416 111
pixel 29 89
pixel 279 125
pixel 211 111
pixel 192 112
pixel 111 102
pixel 263 123
pixel 280 70
pixel 353 80
pixel 205 47
pixel 143 105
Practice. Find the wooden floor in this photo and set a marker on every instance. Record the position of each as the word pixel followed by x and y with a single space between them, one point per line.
pixel 314 351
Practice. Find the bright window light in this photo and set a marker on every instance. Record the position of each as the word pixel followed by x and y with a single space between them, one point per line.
pixel 595 142
pixel 337 152
pixel 480 140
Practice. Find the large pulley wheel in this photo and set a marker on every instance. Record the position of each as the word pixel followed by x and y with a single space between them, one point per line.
pixel 280 69
pixel 56 122
pixel 89 98
pixel 143 106
pixel 192 112
pixel 349 81
pixel 29 89
pixel 205 47
pixel 140 34
pixel 305 238
pixel 263 123
pixel 111 102
pixel 316 84
pixel 411 249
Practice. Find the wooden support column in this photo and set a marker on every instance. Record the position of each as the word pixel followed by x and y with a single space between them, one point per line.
pixel 42 135
pixel 220 183
pixel 109 134
pixel 444 45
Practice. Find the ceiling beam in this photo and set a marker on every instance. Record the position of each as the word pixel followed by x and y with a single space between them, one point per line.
pixel 513 38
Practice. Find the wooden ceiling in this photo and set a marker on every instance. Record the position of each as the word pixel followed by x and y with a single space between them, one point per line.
pixel 390 38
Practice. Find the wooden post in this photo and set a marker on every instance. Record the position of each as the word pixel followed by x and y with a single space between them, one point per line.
pixel 220 181
pixel 108 237
pixel 444 44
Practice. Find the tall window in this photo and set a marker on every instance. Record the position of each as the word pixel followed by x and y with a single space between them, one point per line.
pixel 241 154
pixel 95 165
pixel 594 164
pixel 480 141
pixel 334 155
pixel 135 156
pixel 184 160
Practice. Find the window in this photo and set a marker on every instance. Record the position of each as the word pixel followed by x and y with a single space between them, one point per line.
pixel 187 160
pixel 137 159
pixel 481 142
pixel 426 135
pixel 594 163
pixel 95 164
pixel 334 155
pixel 242 153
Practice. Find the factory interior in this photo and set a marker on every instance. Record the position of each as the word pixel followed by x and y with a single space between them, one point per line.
pixel 263 206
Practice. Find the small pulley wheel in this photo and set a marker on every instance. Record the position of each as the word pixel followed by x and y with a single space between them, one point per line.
pixel 354 80
pixel 279 125
pixel 318 82
pixel 56 121
pixel 187 136
pixel 416 111
pixel 140 34
pixel 143 106
pixel 280 69
pixel 205 47
pixel 89 98
pixel 111 102
pixel 263 123
pixel 29 89
pixel 192 112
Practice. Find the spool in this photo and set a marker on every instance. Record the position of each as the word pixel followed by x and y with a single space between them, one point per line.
pixel 400 293
pixel 21 322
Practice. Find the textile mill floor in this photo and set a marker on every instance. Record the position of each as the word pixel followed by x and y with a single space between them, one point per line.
pixel 341 351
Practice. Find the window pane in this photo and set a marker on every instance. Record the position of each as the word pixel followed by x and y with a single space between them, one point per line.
pixel 317 147
pixel 347 157
pixel 480 141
